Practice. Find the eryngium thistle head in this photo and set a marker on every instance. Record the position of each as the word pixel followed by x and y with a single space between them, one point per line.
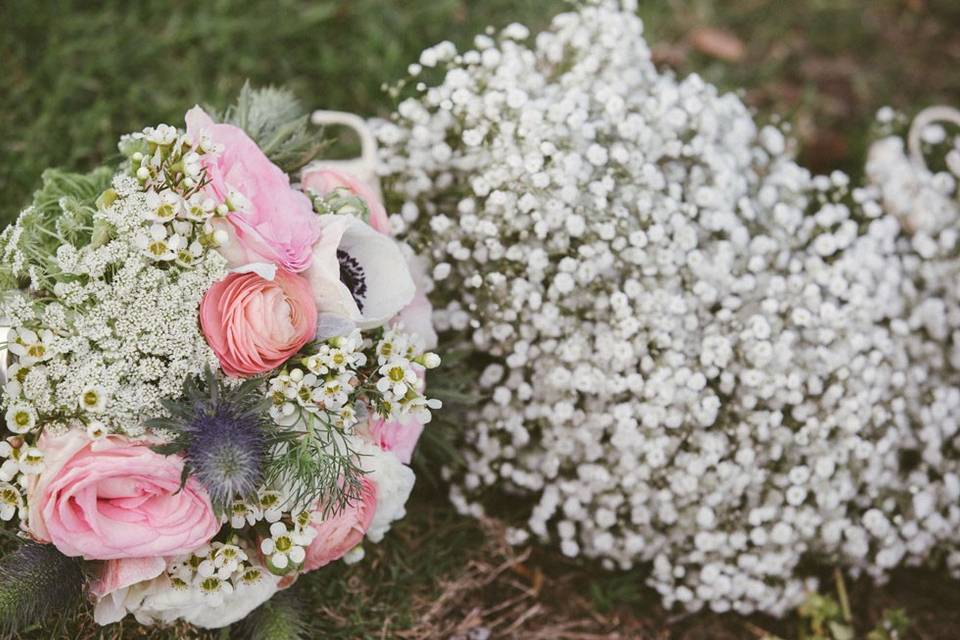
pixel 226 452
pixel 224 434
pixel 37 584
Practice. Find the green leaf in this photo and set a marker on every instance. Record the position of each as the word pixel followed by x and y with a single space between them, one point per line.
pixel 841 631
pixel 167 449
pixel 274 119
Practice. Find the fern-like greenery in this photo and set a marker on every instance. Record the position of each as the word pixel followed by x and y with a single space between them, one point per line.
pixel 276 121
pixel 233 447
pixel 37 584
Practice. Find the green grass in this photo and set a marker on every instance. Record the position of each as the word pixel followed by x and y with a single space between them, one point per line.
pixel 76 75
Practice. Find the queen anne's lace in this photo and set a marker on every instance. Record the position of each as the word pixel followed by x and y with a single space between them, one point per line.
pixel 123 332
pixel 704 358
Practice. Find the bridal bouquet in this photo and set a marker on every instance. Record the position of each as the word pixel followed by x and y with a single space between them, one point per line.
pixel 695 357
pixel 215 377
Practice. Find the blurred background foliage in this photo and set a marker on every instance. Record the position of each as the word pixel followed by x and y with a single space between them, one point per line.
pixel 75 75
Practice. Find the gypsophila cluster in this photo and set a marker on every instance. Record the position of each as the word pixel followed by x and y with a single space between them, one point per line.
pixel 703 357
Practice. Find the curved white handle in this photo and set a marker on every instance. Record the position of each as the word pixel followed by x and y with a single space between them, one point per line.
pixel 363 167
pixel 922 120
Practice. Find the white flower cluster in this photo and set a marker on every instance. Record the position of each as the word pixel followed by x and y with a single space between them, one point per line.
pixel 121 332
pixel 328 386
pixel 214 571
pixel 167 164
pixel 704 359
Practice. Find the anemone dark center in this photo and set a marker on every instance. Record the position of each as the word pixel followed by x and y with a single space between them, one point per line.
pixel 352 276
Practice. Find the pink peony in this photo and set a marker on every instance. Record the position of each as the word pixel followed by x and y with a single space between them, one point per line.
pixel 341 532
pixel 253 324
pixel 274 222
pixel 322 181
pixel 114 498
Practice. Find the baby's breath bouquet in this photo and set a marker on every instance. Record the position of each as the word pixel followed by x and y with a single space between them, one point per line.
pixel 696 358
pixel 213 376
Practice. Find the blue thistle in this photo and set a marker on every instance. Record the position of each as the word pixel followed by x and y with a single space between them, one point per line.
pixel 226 454
pixel 224 434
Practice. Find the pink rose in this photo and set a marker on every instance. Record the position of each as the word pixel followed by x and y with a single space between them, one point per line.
pixel 398 436
pixel 339 533
pixel 255 325
pixel 274 222
pixel 114 498
pixel 322 181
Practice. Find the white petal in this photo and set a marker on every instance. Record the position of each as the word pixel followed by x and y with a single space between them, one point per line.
pixel 390 285
pixel 265 270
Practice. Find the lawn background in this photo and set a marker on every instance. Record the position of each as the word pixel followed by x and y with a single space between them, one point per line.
pixel 74 76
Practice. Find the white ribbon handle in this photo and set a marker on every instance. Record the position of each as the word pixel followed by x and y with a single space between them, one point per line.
pixel 364 167
pixel 920 122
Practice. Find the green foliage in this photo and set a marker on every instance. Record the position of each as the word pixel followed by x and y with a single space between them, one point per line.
pixel 318 465
pixel 893 625
pixel 280 618
pixel 37 584
pixel 821 618
pixel 607 592
pixel 62 211
pixel 276 121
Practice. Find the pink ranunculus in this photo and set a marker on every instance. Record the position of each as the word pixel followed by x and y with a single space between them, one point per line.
pixel 398 436
pixel 274 222
pixel 322 181
pixel 338 534
pixel 255 325
pixel 115 498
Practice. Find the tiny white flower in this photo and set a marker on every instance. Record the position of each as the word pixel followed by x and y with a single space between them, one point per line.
pixel 11 501
pixel 93 398
pixel 21 418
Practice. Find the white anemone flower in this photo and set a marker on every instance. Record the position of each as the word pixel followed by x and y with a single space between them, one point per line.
pixel 358 273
